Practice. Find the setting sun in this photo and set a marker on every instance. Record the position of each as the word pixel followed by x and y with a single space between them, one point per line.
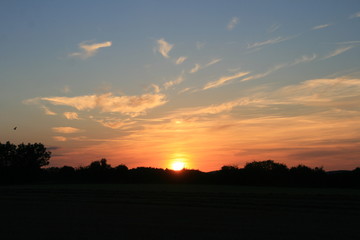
pixel 177 166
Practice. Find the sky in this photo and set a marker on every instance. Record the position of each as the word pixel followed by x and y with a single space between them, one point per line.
pixel 203 83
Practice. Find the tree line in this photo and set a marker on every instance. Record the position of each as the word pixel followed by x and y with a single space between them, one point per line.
pixel 24 163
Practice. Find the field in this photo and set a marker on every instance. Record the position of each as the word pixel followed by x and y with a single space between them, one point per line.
pixel 177 212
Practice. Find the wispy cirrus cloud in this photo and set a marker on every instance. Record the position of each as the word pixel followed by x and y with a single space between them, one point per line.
pixel 127 105
pixel 317 27
pixel 213 61
pixel 268 42
pixel 355 15
pixel 115 123
pixel 233 22
pixel 273 28
pixel 47 111
pixel 66 129
pixel 71 115
pixel 177 81
pixel 264 74
pixel 338 51
pixel 223 80
pixel 216 108
pixel 302 59
pixel 180 60
pixel 163 47
pixel 88 50
pixel 59 138
pixel 195 68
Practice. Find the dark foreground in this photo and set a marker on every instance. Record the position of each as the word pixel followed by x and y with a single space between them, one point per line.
pixel 177 212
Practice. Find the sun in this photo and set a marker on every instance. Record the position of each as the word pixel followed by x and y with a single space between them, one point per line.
pixel 177 166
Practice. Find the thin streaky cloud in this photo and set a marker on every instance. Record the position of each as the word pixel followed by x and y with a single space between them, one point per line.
pixel 221 81
pixel 71 115
pixel 233 22
pixel 195 68
pixel 115 124
pixel 212 62
pixel 273 28
pixel 338 52
pixel 348 43
pixel 66 129
pixel 107 102
pixel 303 59
pixel 355 15
pixel 215 108
pixel 268 72
pixel 268 42
pixel 321 26
pixel 60 138
pixel 47 111
pixel 89 50
pixel 180 60
pixel 164 47
pixel 177 81
pixel 156 88
pixel 184 90
pixel 275 68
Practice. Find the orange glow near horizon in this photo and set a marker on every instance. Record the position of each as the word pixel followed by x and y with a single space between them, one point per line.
pixel 177 166
pixel 178 161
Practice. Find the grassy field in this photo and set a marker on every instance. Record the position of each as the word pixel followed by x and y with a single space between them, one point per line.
pixel 177 212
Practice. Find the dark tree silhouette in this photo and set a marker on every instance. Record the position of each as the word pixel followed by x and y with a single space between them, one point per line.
pixel 22 162
pixel 31 156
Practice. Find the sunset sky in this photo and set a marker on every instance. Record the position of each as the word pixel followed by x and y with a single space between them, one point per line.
pixel 205 83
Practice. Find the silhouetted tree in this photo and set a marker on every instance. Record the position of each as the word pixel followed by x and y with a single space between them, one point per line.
pixel 23 162
pixel 266 172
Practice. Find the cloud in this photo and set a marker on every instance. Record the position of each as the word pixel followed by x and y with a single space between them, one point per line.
pixel 47 111
pixel 127 105
pixel 321 26
pixel 303 59
pixel 156 88
pixel 268 42
pixel 164 47
pixel 115 123
pixel 275 68
pixel 338 52
pixel 177 81
pixel 268 72
pixel 355 15
pixel 326 92
pixel 216 108
pixel 184 90
pixel 233 22
pixel 223 80
pixel 273 28
pixel 66 130
pixel 214 61
pixel 89 50
pixel 60 138
pixel 195 68
pixel 180 60
pixel 71 115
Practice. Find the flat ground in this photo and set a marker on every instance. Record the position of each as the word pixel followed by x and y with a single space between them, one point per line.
pixel 177 212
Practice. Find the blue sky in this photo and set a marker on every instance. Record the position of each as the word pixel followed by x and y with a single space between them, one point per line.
pixel 208 83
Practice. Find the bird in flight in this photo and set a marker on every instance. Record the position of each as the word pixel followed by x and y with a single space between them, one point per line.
pixel 15 128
